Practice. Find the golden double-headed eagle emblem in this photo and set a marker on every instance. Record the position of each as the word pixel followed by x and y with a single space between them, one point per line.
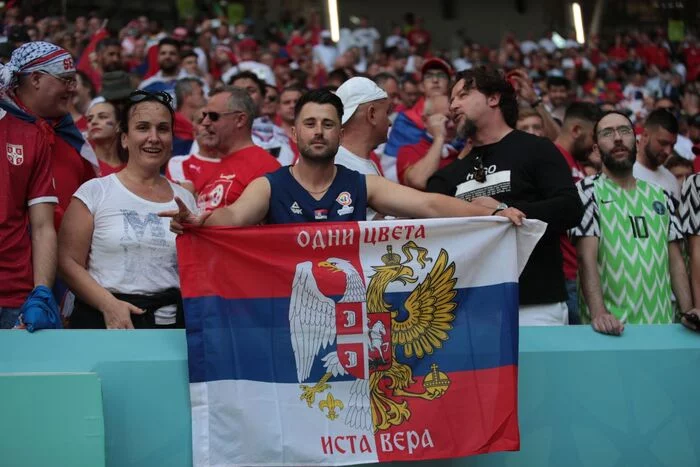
pixel 367 332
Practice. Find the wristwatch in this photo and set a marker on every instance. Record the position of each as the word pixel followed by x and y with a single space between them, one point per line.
pixel 536 103
pixel 499 208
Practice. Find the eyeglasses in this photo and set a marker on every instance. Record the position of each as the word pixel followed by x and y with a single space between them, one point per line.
pixel 621 130
pixel 162 97
pixel 215 116
pixel 479 171
pixel 435 75
pixel 69 80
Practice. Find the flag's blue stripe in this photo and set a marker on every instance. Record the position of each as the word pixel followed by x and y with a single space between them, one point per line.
pixel 250 339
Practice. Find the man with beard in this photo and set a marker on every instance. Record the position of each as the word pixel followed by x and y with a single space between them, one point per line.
pixel 628 240
pixel 575 142
pixel 316 189
pixel 228 159
pixel 509 167
pixel 169 69
pixel 108 57
pixel 656 143
pixel 558 97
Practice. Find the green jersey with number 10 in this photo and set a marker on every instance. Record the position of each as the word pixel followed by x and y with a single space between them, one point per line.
pixel 634 228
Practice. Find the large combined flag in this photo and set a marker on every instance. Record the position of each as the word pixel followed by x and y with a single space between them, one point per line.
pixel 358 342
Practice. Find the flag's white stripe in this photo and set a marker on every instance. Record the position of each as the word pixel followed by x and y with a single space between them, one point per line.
pixel 250 423
pixel 490 257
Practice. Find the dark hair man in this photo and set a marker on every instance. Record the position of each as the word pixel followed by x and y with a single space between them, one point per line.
pixel 508 167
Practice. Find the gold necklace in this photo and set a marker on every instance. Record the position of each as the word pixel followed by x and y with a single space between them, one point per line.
pixel 291 171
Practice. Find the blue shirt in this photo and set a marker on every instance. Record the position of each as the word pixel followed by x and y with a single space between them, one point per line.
pixel 345 200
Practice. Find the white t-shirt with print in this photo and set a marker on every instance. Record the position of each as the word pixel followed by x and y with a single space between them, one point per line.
pixel 132 249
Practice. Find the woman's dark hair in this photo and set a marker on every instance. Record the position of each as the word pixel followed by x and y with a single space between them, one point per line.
pixel 489 81
pixel 139 97
pixel 320 96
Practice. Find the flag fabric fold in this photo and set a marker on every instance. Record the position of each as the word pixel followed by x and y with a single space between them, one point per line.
pixel 348 343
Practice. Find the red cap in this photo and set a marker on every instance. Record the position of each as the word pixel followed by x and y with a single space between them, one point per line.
pixel 298 40
pixel 248 44
pixel 436 63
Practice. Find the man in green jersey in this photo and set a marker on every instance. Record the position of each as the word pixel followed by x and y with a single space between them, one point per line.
pixel 627 242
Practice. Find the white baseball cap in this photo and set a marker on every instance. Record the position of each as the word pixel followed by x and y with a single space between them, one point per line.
pixel 357 91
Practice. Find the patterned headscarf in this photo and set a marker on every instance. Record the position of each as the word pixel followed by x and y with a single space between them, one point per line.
pixel 42 56
pixel 35 56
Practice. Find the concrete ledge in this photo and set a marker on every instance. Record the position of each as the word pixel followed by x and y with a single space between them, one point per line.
pixel 585 399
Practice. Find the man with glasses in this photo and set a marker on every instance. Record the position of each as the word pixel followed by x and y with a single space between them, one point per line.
pixel 628 240
pixel 408 127
pixel 228 159
pixel 270 102
pixel 40 91
pixel 509 167
pixel 43 159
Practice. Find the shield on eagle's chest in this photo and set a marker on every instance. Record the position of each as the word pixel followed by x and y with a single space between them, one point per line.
pixel 363 340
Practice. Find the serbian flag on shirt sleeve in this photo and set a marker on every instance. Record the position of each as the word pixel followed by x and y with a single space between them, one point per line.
pixel 347 343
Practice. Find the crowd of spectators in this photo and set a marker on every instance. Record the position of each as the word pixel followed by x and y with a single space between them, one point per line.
pixel 604 150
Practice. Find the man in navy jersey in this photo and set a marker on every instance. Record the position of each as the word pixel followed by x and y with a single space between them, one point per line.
pixel 315 189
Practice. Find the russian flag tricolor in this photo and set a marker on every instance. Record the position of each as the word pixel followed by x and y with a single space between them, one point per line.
pixel 348 343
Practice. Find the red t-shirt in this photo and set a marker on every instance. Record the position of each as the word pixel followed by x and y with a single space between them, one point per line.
pixel 375 158
pixel 81 124
pixel 234 173
pixel 409 154
pixel 619 53
pixel 106 169
pixel 568 250
pixel 25 180
pixel 70 170
pixel 194 168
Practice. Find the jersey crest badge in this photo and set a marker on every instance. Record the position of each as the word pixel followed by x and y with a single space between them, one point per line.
pixel 15 153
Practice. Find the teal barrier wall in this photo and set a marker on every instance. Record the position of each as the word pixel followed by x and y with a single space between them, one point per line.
pixel 585 399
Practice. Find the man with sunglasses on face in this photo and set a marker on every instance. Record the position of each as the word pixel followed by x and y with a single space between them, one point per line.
pixel 508 167
pixel 628 240
pixel 228 160
pixel 42 159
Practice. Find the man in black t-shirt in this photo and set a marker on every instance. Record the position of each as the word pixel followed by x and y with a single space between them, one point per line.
pixel 508 167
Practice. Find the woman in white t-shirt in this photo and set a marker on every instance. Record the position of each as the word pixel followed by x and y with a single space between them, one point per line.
pixel 115 253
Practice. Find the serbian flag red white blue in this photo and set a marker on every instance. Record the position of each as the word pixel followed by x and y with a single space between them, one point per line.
pixel 348 343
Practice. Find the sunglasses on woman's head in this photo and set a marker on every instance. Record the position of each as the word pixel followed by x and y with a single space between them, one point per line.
pixel 162 97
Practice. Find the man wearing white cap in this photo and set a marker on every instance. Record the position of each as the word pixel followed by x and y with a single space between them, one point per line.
pixel 365 123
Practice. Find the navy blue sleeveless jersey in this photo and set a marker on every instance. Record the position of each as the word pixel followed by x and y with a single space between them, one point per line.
pixel 345 200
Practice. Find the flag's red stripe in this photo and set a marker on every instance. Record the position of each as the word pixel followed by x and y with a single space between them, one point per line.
pixel 478 414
